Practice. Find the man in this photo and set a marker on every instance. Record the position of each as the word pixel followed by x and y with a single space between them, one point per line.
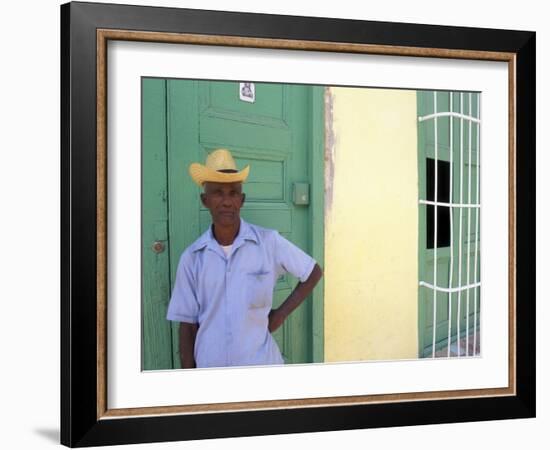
pixel 224 284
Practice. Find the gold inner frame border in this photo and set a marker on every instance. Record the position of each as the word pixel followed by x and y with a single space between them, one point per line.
pixel 103 36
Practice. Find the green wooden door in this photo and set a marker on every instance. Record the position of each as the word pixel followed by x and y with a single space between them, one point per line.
pixel 452 259
pixel 276 135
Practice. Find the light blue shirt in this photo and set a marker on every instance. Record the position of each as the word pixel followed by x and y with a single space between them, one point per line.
pixel 230 297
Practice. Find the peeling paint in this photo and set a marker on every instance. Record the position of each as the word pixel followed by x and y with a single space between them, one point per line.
pixel 329 152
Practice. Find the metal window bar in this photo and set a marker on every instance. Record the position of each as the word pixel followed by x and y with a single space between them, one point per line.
pixel 450 289
pixel 448 114
pixel 469 225
pixel 460 225
pixel 452 205
pixel 435 229
pixel 451 265
pixel 476 254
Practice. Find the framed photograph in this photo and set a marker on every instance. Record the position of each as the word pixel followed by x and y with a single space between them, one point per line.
pixel 278 224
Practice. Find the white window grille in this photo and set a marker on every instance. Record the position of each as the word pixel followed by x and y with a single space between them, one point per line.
pixel 464 207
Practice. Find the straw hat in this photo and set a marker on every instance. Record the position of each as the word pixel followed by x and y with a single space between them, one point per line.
pixel 219 167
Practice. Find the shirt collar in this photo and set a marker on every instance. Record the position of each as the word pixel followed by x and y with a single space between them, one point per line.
pixel 207 239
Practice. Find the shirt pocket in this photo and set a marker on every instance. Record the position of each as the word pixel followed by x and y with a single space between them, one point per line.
pixel 259 289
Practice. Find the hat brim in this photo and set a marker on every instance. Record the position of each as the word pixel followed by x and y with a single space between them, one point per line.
pixel 202 174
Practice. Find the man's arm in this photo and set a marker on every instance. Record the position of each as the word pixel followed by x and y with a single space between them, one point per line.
pixel 188 333
pixel 300 292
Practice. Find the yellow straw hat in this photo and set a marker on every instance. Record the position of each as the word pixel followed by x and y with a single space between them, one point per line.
pixel 219 168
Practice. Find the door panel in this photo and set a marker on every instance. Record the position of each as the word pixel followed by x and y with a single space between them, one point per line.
pixel 222 99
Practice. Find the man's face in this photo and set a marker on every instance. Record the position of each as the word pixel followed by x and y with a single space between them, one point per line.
pixel 224 200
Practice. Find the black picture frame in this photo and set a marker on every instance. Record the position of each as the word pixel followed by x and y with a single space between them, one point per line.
pixel 81 421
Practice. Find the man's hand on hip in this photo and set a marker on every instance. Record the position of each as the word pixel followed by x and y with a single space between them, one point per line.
pixel 276 319
pixel 301 291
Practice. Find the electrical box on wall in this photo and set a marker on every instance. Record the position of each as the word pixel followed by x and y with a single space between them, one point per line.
pixel 300 195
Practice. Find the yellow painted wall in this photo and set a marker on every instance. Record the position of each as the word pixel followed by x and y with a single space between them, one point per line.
pixel 371 225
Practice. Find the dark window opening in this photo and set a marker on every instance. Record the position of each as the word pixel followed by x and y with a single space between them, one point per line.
pixel 443 212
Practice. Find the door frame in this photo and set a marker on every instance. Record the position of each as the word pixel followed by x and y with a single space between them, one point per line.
pixel 317 216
